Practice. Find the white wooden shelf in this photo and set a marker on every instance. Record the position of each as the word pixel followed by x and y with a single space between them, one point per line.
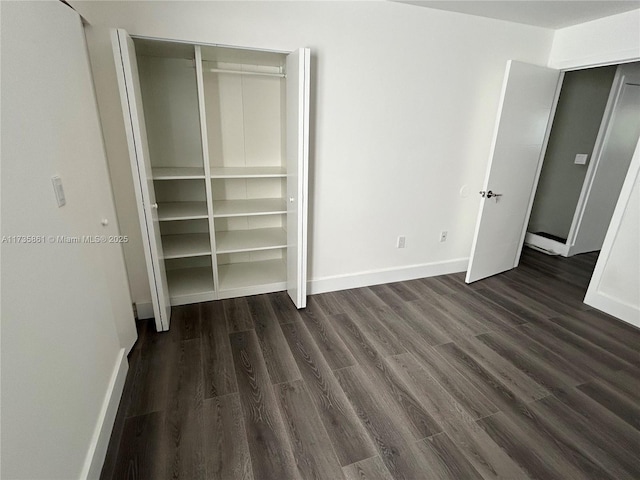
pixel 248 172
pixel 177 173
pixel 250 240
pixel 246 275
pixel 182 211
pixel 190 285
pixel 241 208
pixel 186 245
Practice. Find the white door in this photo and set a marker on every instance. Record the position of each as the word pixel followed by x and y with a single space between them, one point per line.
pixel 526 103
pixel 297 111
pixel 131 99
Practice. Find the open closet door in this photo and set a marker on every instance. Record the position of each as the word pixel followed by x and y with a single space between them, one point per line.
pixel 131 99
pixel 526 104
pixel 297 112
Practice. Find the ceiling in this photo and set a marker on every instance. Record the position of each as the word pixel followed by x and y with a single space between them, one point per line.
pixel 552 14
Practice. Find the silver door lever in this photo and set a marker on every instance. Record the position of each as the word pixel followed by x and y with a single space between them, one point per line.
pixel 489 194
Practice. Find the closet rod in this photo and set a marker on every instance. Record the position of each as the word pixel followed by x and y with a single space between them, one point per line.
pixel 243 72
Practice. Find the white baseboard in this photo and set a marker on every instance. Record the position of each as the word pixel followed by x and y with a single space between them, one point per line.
pixel 387 275
pixel 607 304
pixel 100 441
pixel 546 244
pixel 144 310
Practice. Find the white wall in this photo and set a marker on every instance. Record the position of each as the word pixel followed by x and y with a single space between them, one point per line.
pixel 403 106
pixel 610 40
pixel 66 311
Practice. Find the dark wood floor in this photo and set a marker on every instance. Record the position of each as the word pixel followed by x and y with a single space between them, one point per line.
pixel 512 377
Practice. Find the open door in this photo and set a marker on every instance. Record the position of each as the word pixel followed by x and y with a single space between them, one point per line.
pixel 526 104
pixel 131 99
pixel 297 111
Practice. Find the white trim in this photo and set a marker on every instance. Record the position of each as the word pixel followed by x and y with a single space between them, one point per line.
pixel 144 310
pixel 596 157
pixel 594 297
pixel 386 275
pixel 621 310
pixel 599 60
pixel 94 459
pixel 548 245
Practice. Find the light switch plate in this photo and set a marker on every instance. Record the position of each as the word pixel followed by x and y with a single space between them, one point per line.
pixel 581 159
pixel 58 190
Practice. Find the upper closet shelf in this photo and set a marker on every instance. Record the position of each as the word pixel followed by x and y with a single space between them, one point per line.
pixel 177 173
pixel 242 208
pixel 247 172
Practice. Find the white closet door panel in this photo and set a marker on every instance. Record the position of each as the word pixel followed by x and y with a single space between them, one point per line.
pixel 297 152
pixel 131 99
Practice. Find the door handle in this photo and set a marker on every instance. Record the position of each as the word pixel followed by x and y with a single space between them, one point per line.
pixel 489 194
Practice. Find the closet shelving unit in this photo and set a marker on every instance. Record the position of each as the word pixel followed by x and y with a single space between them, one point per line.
pixel 218 138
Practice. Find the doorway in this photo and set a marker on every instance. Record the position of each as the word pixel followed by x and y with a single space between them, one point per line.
pixel 591 142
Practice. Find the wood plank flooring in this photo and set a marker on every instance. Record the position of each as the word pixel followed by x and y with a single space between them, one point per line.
pixel 512 377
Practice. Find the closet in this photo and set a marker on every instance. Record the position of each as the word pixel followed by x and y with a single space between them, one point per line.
pixel 218 142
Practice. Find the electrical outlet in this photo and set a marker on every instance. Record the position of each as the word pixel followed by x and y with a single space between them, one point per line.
pixel 443 236
pixel 401 241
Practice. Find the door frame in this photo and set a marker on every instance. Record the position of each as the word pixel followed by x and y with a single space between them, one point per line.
pixel 590 169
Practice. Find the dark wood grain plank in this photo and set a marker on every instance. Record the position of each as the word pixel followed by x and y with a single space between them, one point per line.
pixel 509 374
pixel 379 414
pixel 445 458
pixel 481 377
pixel 140 455
pixel 237 314
pixel 546 353
pixel 278 358
pixel 612 431
pixel 333 349
pixel 408 322
pixel 357 307
pixel 325 304
pixel 306 433
pixel 271 454
pixel 457 385
pixel 540 370
pixel 376 368
pixel 369 469
pixel 184 433
pixel 617 402
pixel 612 327
pixel 436 315
pixel 185 321
pixel 618 461
pixel 534 455
pixel 226 450
pixel 599 339
pixel 217 360
pixel 156 359
pixel 486 457
pixel 348 437
pixel 283 307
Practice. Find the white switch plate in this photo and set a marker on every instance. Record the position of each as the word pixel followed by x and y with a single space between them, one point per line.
pixel 581 159
pixel 58 190
pixel 401 241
